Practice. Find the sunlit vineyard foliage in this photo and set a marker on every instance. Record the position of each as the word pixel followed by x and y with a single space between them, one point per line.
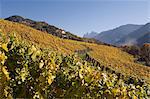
pixel 30 72
pixel 107 55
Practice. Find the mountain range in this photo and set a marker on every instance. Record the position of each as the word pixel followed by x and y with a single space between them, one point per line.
pixel 137 37
pixel 129 34
pixel 90 35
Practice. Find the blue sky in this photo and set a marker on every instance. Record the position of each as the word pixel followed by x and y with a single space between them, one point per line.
pixel 80 16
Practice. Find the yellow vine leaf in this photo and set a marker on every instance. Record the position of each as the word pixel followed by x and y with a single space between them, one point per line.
pixel 41 64
pixel 115 91
pixel 49 80
pixel 134 97
pixel 4 46
pixel 4 70
pixel 2 57
pixel 80 74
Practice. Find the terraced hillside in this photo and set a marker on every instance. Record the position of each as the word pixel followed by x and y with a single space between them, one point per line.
pixel 45 27
pixel 106 55
pixel 36 73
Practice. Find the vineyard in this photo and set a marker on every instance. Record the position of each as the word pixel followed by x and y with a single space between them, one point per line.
pixel 107 56
pixel 27 71
pixel 35 64
pixel 120 62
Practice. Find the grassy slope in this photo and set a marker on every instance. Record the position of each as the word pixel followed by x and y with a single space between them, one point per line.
pixel 106 55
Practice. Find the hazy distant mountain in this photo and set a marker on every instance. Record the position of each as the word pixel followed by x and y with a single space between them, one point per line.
pixel 114 35
pixel 90 35
pixel 138 37
pixel 144 39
